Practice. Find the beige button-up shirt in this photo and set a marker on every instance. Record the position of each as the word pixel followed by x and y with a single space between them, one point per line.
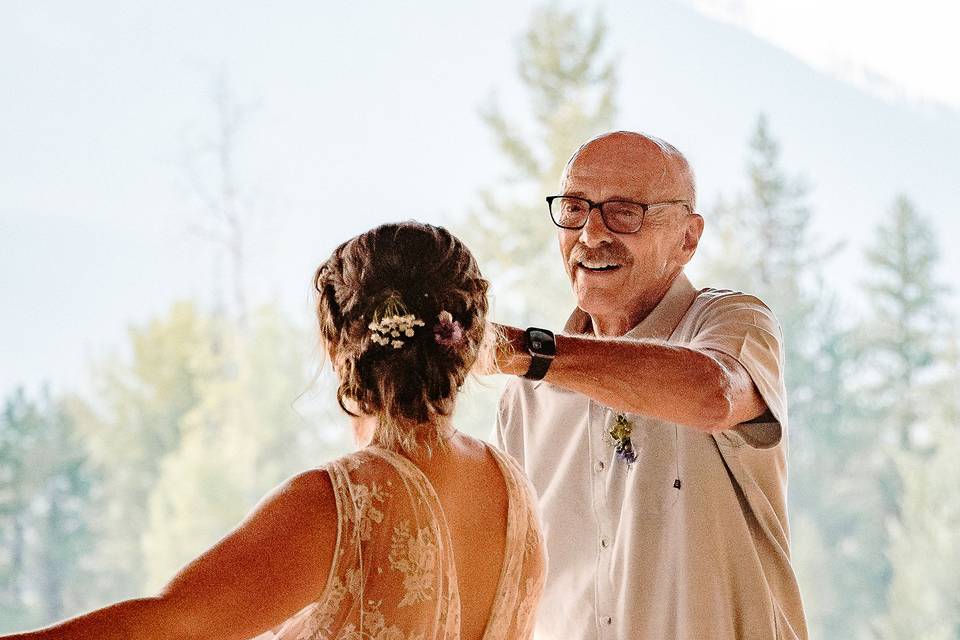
pixel 690 542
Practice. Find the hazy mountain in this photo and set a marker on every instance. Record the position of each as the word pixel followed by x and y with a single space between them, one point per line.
pixel 361 114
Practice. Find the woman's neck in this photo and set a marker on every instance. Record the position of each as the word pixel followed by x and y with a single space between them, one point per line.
pixel 365 431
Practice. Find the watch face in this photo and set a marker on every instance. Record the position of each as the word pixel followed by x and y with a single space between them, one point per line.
pixel 541 342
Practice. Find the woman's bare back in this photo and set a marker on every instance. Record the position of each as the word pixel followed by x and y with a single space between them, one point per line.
pixel 441 547
pixel 470 485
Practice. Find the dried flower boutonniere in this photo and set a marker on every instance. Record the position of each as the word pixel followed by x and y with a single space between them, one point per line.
pixel 619 437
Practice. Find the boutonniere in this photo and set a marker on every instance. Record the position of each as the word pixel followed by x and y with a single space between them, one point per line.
pixel 618 435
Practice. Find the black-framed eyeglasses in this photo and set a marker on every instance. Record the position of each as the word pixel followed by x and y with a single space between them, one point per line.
pixel 620 216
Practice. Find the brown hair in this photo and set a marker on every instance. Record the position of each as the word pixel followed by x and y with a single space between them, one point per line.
pixel 427 270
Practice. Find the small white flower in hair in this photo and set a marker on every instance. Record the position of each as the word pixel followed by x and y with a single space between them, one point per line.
pixel 390 322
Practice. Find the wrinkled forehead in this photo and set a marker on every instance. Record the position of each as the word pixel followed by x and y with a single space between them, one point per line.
pixel 638 163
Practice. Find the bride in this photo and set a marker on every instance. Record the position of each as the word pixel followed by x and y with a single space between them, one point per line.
pixel 424 533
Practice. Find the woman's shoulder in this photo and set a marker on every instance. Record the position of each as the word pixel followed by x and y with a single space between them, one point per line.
pixel 327 489
pixel 308 489
pixel 371 466
pixel 369 459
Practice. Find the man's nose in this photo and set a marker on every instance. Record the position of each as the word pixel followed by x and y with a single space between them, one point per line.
pixel 594 231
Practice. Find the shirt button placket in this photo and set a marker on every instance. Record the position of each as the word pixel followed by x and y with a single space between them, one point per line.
pixel 605 600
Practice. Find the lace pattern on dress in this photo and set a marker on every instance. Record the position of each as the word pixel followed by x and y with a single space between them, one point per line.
pixel 393 575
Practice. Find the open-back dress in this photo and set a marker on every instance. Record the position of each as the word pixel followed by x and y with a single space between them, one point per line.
pixel 393 575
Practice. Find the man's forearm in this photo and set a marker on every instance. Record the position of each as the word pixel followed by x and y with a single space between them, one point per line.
pixel 670 382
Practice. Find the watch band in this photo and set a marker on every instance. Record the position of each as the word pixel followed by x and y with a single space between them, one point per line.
pixel 538 368
pixel 542 347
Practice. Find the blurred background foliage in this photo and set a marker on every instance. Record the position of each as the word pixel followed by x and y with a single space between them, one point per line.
pixel 104 495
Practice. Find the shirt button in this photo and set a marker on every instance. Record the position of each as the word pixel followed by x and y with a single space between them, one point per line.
pixel 600 466
pixel 604 542
pixel 607 620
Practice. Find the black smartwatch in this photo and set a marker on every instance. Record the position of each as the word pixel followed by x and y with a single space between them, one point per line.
pixel 542 347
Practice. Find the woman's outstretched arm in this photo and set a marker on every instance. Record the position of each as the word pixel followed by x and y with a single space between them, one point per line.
pixel 270 566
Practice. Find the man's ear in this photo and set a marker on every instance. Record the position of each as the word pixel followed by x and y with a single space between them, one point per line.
pixel 692 230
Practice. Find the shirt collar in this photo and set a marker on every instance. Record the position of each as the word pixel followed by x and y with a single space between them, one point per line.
pixel 659 323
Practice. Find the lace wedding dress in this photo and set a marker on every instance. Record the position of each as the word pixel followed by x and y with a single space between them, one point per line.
pixel 393 575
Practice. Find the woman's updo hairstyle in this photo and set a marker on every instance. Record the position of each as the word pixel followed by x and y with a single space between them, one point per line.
pixel 425 270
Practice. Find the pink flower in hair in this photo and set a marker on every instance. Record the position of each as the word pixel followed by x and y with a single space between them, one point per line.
pixel 447 331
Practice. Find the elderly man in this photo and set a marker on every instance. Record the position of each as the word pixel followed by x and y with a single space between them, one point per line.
pixel 654 427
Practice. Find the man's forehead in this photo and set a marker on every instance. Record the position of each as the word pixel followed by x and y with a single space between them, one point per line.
pixel 622 160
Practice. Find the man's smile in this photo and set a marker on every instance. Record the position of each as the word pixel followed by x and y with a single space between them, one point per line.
pixel 598 266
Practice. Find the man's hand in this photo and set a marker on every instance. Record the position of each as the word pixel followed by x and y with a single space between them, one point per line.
pixel 502 351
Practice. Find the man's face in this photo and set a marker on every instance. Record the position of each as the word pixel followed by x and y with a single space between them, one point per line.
pixel 619 278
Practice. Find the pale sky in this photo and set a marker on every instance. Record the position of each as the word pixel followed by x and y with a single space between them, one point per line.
pixel 906 50
pixel 367 112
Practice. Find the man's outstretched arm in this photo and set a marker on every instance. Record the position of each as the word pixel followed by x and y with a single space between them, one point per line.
pixel 701 388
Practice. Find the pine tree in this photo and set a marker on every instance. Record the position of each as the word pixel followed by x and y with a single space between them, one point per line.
pixel 571 90
pixel 911 382
pixel 66 511
pixel 900 337
pixel 46 508
pixel 760 242
pixel 19 428
pixel 924 598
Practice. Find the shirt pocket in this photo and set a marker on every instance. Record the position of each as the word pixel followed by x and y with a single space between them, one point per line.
pixel 655 474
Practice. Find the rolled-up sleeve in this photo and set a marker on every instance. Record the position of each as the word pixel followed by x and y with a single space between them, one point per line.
pixel 744 328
